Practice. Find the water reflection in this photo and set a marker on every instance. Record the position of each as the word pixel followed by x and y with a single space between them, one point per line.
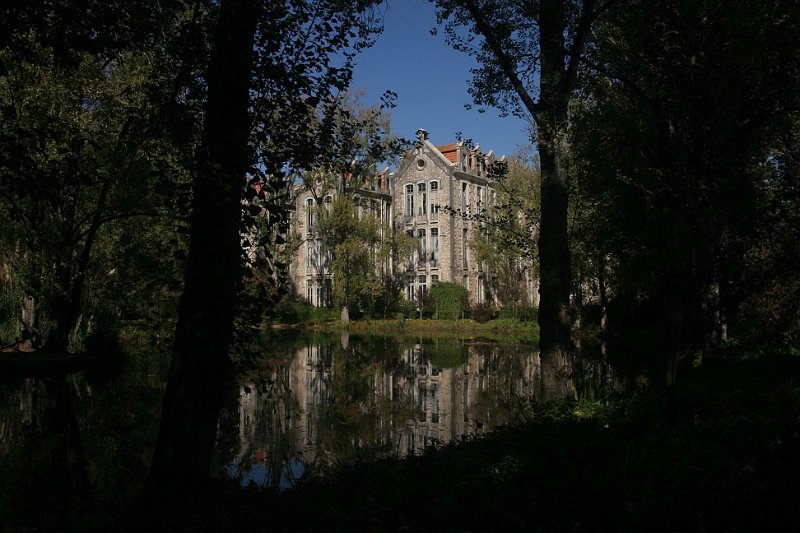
pixel 85 441
pixel 74 445
pixel 340 400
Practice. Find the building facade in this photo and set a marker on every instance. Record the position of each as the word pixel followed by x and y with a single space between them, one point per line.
pixel 429 197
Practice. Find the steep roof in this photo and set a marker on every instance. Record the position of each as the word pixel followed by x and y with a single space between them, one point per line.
pixel 449 151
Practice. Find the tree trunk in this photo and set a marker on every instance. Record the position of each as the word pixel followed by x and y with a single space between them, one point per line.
pixel 204 330
pixel 554 257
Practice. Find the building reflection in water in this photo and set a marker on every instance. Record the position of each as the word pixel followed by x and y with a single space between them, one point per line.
pixel 335 403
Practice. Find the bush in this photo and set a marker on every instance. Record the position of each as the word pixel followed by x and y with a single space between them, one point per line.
pixel 482 312
pixel 450 301
pixel 407 308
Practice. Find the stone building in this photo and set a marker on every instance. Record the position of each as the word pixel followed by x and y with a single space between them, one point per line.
pixel 310 269
pixel 431 183
pixel 423 197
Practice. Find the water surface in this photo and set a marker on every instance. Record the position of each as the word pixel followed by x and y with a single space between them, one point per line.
pixel 303 405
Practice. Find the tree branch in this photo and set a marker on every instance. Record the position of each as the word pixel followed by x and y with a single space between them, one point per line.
pixel 503 59
pixel 578 42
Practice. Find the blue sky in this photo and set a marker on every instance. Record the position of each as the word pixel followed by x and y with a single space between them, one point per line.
pixel 431 81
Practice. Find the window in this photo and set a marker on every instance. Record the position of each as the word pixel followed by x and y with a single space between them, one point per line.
pixel 422 283
pixel 464 248
pixel 423 199
pixel 423 251
pixel 410 234
pixel 435 405
pixel 434 280
pixel 420 164
pixel 479 207
pixel 410 288
pixel 423 403
pixel 309 214
pixel 463 197
pixel 409 200
pixel 327 293
pixel 434 250
pixel 434 188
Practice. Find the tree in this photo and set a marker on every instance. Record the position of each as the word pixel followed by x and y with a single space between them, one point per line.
pixel 528 64
pixel 82 154
pixel 684 105
pixel 506 246
pixel 351 230
pixel 269 64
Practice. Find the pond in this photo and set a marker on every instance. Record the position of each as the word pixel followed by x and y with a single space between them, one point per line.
pixel 302 405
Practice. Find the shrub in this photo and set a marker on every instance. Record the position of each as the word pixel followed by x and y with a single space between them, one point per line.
pixel 482 312
pixel 407 308
pixel 450 301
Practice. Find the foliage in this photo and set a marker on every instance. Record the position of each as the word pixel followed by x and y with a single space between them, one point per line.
pixel 82 159
pixel 528 61
pixel 450 300
pixel 482 312
pixel 291 312
pixel 673 138
pixel 522 314
pixel 349 228
pixel 770 291
pixel 505 246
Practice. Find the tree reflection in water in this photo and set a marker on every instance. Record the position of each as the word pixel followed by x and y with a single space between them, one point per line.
pixel 337 401
pixel 305 405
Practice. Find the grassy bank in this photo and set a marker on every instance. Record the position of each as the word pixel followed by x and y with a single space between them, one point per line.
pixel 498 329
pixel 594 464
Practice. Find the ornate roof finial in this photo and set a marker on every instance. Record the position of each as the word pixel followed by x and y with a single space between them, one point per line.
pixel 422 135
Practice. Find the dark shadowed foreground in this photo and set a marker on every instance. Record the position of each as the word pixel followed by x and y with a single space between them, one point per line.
pixel 595 461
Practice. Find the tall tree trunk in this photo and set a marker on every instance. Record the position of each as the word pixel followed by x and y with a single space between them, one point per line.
pixel 551 123
pixel 550 113
pixel 205 322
